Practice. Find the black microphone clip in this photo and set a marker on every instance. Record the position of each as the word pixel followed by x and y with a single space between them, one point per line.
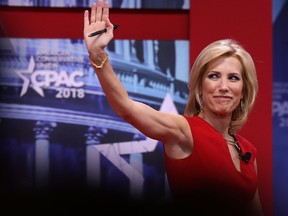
pixel 246 157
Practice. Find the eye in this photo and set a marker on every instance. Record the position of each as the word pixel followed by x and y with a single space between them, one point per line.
pixel 213 76
pixel 234 78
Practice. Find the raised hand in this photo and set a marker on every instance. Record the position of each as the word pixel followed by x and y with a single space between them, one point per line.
pixel 98 20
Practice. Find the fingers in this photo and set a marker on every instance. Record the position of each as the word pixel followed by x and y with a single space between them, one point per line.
pixel 105 15
pixel 93 12
pixel 86 18
pixel 99 11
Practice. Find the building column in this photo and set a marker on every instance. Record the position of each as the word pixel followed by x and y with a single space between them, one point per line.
pixel 136 161
pixel 42 134
pixel 93 163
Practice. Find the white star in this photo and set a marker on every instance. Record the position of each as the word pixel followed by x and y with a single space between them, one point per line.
pixel 26 81
pixel 113 151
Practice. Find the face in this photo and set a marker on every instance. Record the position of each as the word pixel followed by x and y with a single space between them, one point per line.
pixel 222 86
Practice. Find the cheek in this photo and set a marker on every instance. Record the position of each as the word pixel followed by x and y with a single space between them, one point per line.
pixel 207 86
pixel 239 91
pixel 209 89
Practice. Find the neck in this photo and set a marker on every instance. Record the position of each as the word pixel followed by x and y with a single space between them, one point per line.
pixel 220 123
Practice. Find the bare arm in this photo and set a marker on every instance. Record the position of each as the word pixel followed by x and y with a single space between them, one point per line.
pixel 152 123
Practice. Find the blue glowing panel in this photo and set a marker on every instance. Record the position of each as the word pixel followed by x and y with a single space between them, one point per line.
pixel 57 128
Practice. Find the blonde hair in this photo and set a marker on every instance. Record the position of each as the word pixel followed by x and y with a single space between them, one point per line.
pixel 212 52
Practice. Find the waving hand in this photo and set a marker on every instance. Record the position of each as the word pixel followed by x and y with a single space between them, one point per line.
pixel 98 20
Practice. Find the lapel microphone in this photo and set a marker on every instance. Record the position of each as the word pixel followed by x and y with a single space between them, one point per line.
pixel 245 157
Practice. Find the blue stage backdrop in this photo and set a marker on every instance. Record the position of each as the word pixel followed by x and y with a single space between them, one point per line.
pixel 280 106
pixel 58 132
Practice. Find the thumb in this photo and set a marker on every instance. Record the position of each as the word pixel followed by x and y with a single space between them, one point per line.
pixel 109 24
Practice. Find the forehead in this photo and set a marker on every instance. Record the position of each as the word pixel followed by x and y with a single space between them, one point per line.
pixel 225 63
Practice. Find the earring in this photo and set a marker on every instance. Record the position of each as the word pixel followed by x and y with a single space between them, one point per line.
pixel 242 105
pixel 200 103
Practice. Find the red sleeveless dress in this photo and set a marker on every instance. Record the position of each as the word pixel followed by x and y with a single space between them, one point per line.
pixel 207 179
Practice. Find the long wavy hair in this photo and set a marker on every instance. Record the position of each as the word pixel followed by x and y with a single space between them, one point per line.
pixel 212 52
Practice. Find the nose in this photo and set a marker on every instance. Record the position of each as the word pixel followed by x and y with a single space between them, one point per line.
pixel 223 85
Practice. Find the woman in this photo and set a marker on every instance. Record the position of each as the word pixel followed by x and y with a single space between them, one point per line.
pixel 209 166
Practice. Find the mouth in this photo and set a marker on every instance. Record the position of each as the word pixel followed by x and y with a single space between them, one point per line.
pixel 223 98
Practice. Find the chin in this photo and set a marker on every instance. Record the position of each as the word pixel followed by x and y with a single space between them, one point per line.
pixel 222 112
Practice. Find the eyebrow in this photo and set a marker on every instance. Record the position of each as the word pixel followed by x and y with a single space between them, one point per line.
pixel 230 73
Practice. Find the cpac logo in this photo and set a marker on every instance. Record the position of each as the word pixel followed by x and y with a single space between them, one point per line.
pixel 40 79
pixel 280 108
